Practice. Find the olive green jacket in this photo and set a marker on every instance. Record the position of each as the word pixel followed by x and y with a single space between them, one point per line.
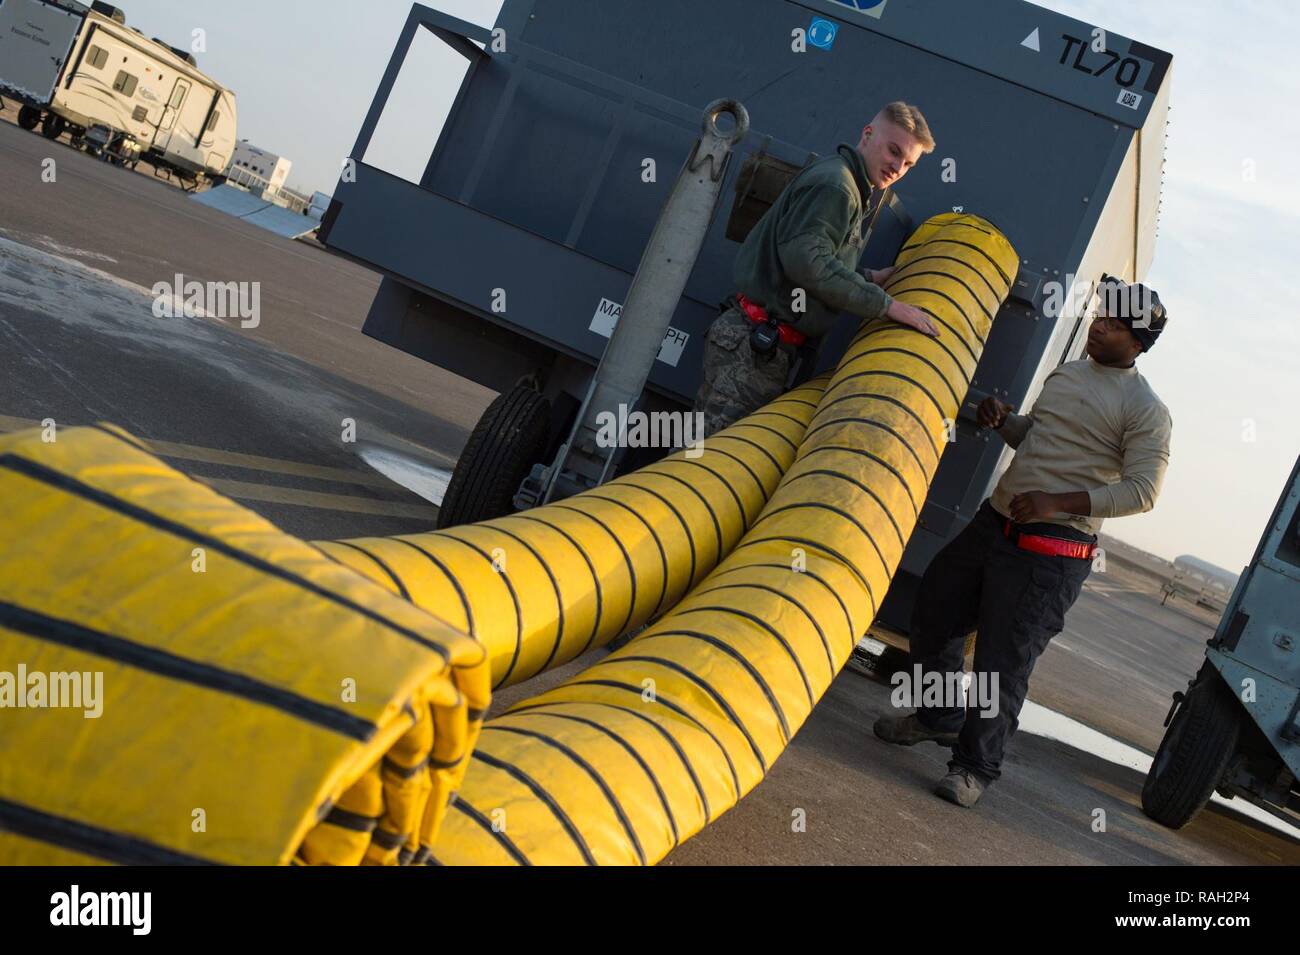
pixel 811 239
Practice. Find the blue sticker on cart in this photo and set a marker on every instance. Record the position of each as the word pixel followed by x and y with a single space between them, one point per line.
pixel 872 8
pixel 822 33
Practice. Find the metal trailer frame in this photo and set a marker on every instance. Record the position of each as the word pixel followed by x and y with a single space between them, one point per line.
pixel 1048 127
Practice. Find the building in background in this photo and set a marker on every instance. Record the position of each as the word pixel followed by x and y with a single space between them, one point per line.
pixel 320 203
pixel 258 170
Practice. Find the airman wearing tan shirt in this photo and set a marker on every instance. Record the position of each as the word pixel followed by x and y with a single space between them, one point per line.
pixel 1095 445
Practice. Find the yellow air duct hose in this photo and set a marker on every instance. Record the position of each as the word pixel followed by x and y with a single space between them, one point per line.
pixel 643 749
pixel 251 655
pixel 540 588
pixel 183 683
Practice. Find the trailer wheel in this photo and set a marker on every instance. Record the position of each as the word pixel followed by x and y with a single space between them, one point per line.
pixel 507 441
pixel 28 117
pixel 53 126
pixel 1195 752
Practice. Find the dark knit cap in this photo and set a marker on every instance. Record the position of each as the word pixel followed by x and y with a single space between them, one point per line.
pixel 1137 306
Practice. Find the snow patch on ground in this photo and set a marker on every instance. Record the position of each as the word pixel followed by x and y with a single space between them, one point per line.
pixel 1040 721
pixel 64 269
pixel 67 250
pixel 418 477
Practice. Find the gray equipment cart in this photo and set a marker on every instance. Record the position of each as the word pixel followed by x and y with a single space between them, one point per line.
pixel 1237 728
pixel 534 194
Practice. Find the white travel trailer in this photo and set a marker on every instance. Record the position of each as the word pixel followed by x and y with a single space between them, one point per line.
pixel 116 92
pixel 35 40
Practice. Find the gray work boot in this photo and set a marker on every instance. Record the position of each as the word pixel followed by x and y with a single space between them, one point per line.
pixel 908 731
pixel 960 786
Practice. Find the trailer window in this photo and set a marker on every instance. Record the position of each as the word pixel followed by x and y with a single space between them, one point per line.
pixel 97 57
pixel 212 123
pixel 125 83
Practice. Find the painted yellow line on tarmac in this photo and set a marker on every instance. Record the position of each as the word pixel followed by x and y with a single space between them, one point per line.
pixel 253 462
pixel 245 491
pixel 248 491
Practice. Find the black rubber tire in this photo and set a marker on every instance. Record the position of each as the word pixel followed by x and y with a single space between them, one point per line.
pixel 1196 750
pixel 53 125
pixel 28 117
pixel 507 441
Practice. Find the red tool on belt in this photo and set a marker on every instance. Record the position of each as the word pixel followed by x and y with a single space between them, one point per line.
pixel 758 315
pixel 1051 546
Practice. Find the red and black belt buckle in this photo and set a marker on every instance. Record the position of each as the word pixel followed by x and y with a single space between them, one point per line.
pixel 1050 546
pixel 789 335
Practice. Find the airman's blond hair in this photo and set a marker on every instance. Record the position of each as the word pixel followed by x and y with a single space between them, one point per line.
pixel 909 117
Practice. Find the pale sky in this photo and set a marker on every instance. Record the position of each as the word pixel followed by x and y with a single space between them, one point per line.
pixel 1228 366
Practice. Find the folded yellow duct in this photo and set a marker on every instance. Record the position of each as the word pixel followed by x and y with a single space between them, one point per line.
pixel 540 588
pixel 335 718
pixel 643 749
pixel 180 682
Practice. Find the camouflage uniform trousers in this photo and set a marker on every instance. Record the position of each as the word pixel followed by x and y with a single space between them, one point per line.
pixel 736 381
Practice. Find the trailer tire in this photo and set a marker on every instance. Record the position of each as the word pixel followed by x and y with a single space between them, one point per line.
pixel 53 126
pixel 1194 753
pixel 507 441
pixel 28 117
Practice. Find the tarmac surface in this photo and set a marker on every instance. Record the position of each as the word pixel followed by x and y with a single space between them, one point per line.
pixel 78 260
pixel 261 412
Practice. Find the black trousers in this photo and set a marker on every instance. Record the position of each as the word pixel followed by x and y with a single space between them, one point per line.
pixel 1017 600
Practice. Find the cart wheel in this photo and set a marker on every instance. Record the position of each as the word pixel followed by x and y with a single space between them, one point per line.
pixel 28 117
pixel 507 441
pixel 1194 754
pixel 53 126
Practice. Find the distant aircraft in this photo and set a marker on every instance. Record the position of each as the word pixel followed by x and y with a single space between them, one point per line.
pixel 1206 584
